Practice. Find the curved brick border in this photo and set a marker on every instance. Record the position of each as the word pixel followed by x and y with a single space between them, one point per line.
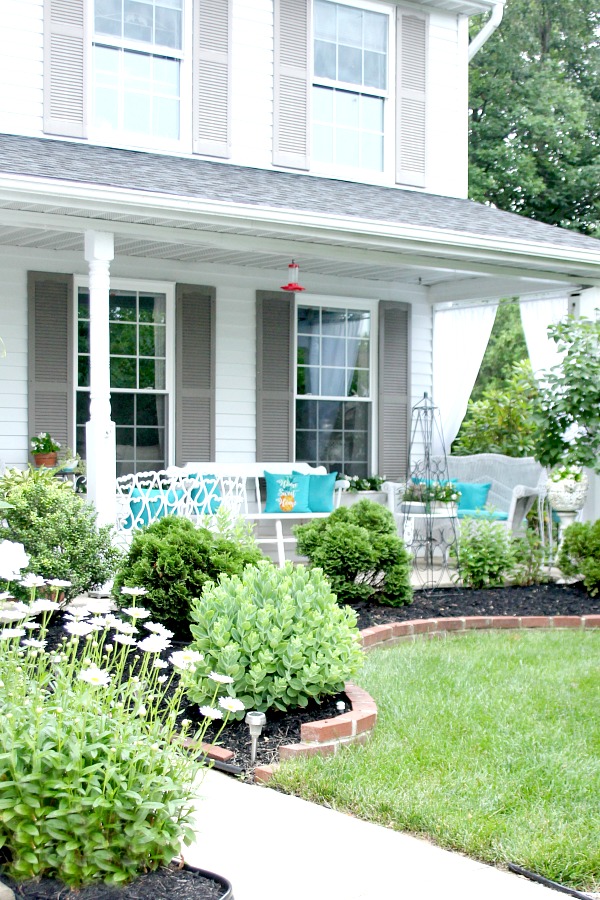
pixel 326 736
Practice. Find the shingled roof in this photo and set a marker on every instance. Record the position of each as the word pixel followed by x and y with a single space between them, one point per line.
pixel 200 179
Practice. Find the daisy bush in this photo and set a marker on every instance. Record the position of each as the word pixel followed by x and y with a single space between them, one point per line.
pixel 95 781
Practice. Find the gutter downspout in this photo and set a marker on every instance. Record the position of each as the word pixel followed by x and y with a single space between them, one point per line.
pixel 487 30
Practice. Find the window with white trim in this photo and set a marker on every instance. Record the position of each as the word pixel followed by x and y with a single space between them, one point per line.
pixel 137 68
pixel 140 327
pixel 334 387
pixel 350 86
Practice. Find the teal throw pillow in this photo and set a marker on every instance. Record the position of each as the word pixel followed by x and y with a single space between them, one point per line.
pixel 320 492
pixel 492 515
pixel 473 496
pixel 287 493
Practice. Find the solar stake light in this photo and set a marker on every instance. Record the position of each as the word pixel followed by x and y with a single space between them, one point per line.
pixel 254 721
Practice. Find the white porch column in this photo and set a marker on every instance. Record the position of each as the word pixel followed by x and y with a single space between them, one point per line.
pixel 101 450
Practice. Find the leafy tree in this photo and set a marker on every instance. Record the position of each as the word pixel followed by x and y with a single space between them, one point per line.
pixel 535 113
pixel 506 348
pixel 501 420
pixel 567 410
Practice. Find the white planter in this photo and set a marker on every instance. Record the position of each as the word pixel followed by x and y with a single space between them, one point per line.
pixel 437 508
pixel 349 498
pixel 567 495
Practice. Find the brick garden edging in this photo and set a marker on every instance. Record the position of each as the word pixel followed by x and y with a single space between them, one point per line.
pixel 326 736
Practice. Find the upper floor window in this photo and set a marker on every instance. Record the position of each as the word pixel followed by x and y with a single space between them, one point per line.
pixel 136 66
pixel 350 86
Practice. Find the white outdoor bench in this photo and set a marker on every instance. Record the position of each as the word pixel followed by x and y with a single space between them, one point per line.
pixel 199 489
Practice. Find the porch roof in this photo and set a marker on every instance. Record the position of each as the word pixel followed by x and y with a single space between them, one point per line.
pixel 71 183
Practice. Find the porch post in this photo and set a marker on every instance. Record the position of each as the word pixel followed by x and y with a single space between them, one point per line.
pixel 101 451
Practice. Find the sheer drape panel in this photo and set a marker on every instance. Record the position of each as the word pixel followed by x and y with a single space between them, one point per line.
pixel 460 336
pixel 536 316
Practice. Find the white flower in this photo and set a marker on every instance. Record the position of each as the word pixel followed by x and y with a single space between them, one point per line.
pixel 7 633
pixel 136 612
pixel 12 615
pixel 160 664
pixel 231 704
pixel 31 642
pixel 221 679
pixel 98 606
pixel 81 629
pixel 134 591
pixel 209 712
pixel 158 629
pixel 154 643
pixel 31 626
pixel 185 659
pixel 12 559
pixel 5 595
pixel 125 627
pixel 58 582
pixel 94 675
pixel 161 679
pixel 142 710
pixel 125 639
pixel 42 605
pixel 31 580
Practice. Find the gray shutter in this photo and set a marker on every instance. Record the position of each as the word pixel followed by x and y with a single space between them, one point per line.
pixel 195 374
pixel 411 95
pixel 394 389
pixel 274 377
pixel 212 77
pixel 50 395
pixel 292 41
pixel 64 67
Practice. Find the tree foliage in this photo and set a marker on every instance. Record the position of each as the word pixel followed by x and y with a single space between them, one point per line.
pixel 535 113
pixel 506 348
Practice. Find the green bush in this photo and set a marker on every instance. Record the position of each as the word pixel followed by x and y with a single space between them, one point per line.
pixel 485 553
pixel 278 633
pixel 57 529
pixel 529 558
pixel 173 560
pixel 580 553
pixel 359 550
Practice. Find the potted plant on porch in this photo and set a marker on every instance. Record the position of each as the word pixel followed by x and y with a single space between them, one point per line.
pixel 367 488
pixel 44 449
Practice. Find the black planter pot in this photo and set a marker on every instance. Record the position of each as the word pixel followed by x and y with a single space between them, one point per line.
pixel 219 879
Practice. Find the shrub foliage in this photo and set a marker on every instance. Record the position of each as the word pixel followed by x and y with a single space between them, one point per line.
pixel 173 560
pixel 279 633
pixel 485 553
pixel 359 550
pixel 57 529
pixel 580 553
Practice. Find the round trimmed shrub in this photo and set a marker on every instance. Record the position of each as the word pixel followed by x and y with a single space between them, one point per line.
pixel 359 550
pixel 173 560
pixel 580 554
pixel 58 529
pixel 278 633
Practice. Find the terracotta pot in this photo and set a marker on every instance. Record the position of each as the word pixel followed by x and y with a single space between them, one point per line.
pixel 45 459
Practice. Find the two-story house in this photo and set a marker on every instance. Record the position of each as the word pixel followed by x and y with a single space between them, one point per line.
pixel 162 162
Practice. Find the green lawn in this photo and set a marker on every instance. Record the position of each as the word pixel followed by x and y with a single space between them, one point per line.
pixel 487 743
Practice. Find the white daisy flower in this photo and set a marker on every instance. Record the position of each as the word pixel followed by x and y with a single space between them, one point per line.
pixel 136 612
pixel 134 591
pixel 7 633
pixel 80 629
pixel 125 639
pixel 157 628
pixel 98 606
pixel 231 704
pixel 94 675
pixel 30 580
pixel 154 643
pixel 12 615
pixel 185 659
pixel 161 679
pixel 12 559
pixel 5 595
pixel 42 605
pixel 221 679
pixel 32 626
pixel 58 582
pixel 209 712
pixel 125 627
pixel 160 664
pixel 31 642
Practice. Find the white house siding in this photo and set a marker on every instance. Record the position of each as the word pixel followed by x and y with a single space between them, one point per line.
pixel 447 106
pixel 235 338
pixel 21 60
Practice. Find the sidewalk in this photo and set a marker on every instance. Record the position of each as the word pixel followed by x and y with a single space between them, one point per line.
pixel 275 847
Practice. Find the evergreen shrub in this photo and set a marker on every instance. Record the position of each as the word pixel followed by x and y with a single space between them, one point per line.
pixel 278 633
pixel 173 560
pixel 485 553
pixel 359 550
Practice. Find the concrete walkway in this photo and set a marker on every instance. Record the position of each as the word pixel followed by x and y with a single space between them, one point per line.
pixel 275 847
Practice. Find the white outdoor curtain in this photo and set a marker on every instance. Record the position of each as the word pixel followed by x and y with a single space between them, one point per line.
pixel 536 316
pixel 460 336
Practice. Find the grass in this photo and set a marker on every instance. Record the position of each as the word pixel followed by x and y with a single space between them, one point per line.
pixel 488 744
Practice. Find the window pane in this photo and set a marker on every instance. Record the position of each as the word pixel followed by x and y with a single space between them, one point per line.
pixel 152 374
pixel 324 59
pixel 83 304
pixel 166 76
pixel 349 64
pixel 150 409
pixel 123 408
pixel 322 146
pixel 359 383
pixel 375 32
pixel 137 111
pixel 375 70
pixel 83 371
pixel 123 373
pixel 106 110
pixel 349 23
pixel 107 17
pixel 347 109
pixel 325 20
pixel 306 446
pixel 123 340
pixel 334 351
pixel 138 20
pixel 371 151
pixel 165 117
pixel 347 147
pixel 323 104
pixel 122 307
pixel 371 113
pixel 83 337
pixel 168 27
pixel 153 308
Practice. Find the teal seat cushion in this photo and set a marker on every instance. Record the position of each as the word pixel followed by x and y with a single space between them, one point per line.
pixel 207 496
pixel 147 505
pixel 491 514
pixel 472 495
pixel 320 492
pixel 287 493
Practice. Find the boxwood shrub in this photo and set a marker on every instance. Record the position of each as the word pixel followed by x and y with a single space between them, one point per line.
pixel 580 553
pixel 278 633
pixel 359 550
pixel 173 560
